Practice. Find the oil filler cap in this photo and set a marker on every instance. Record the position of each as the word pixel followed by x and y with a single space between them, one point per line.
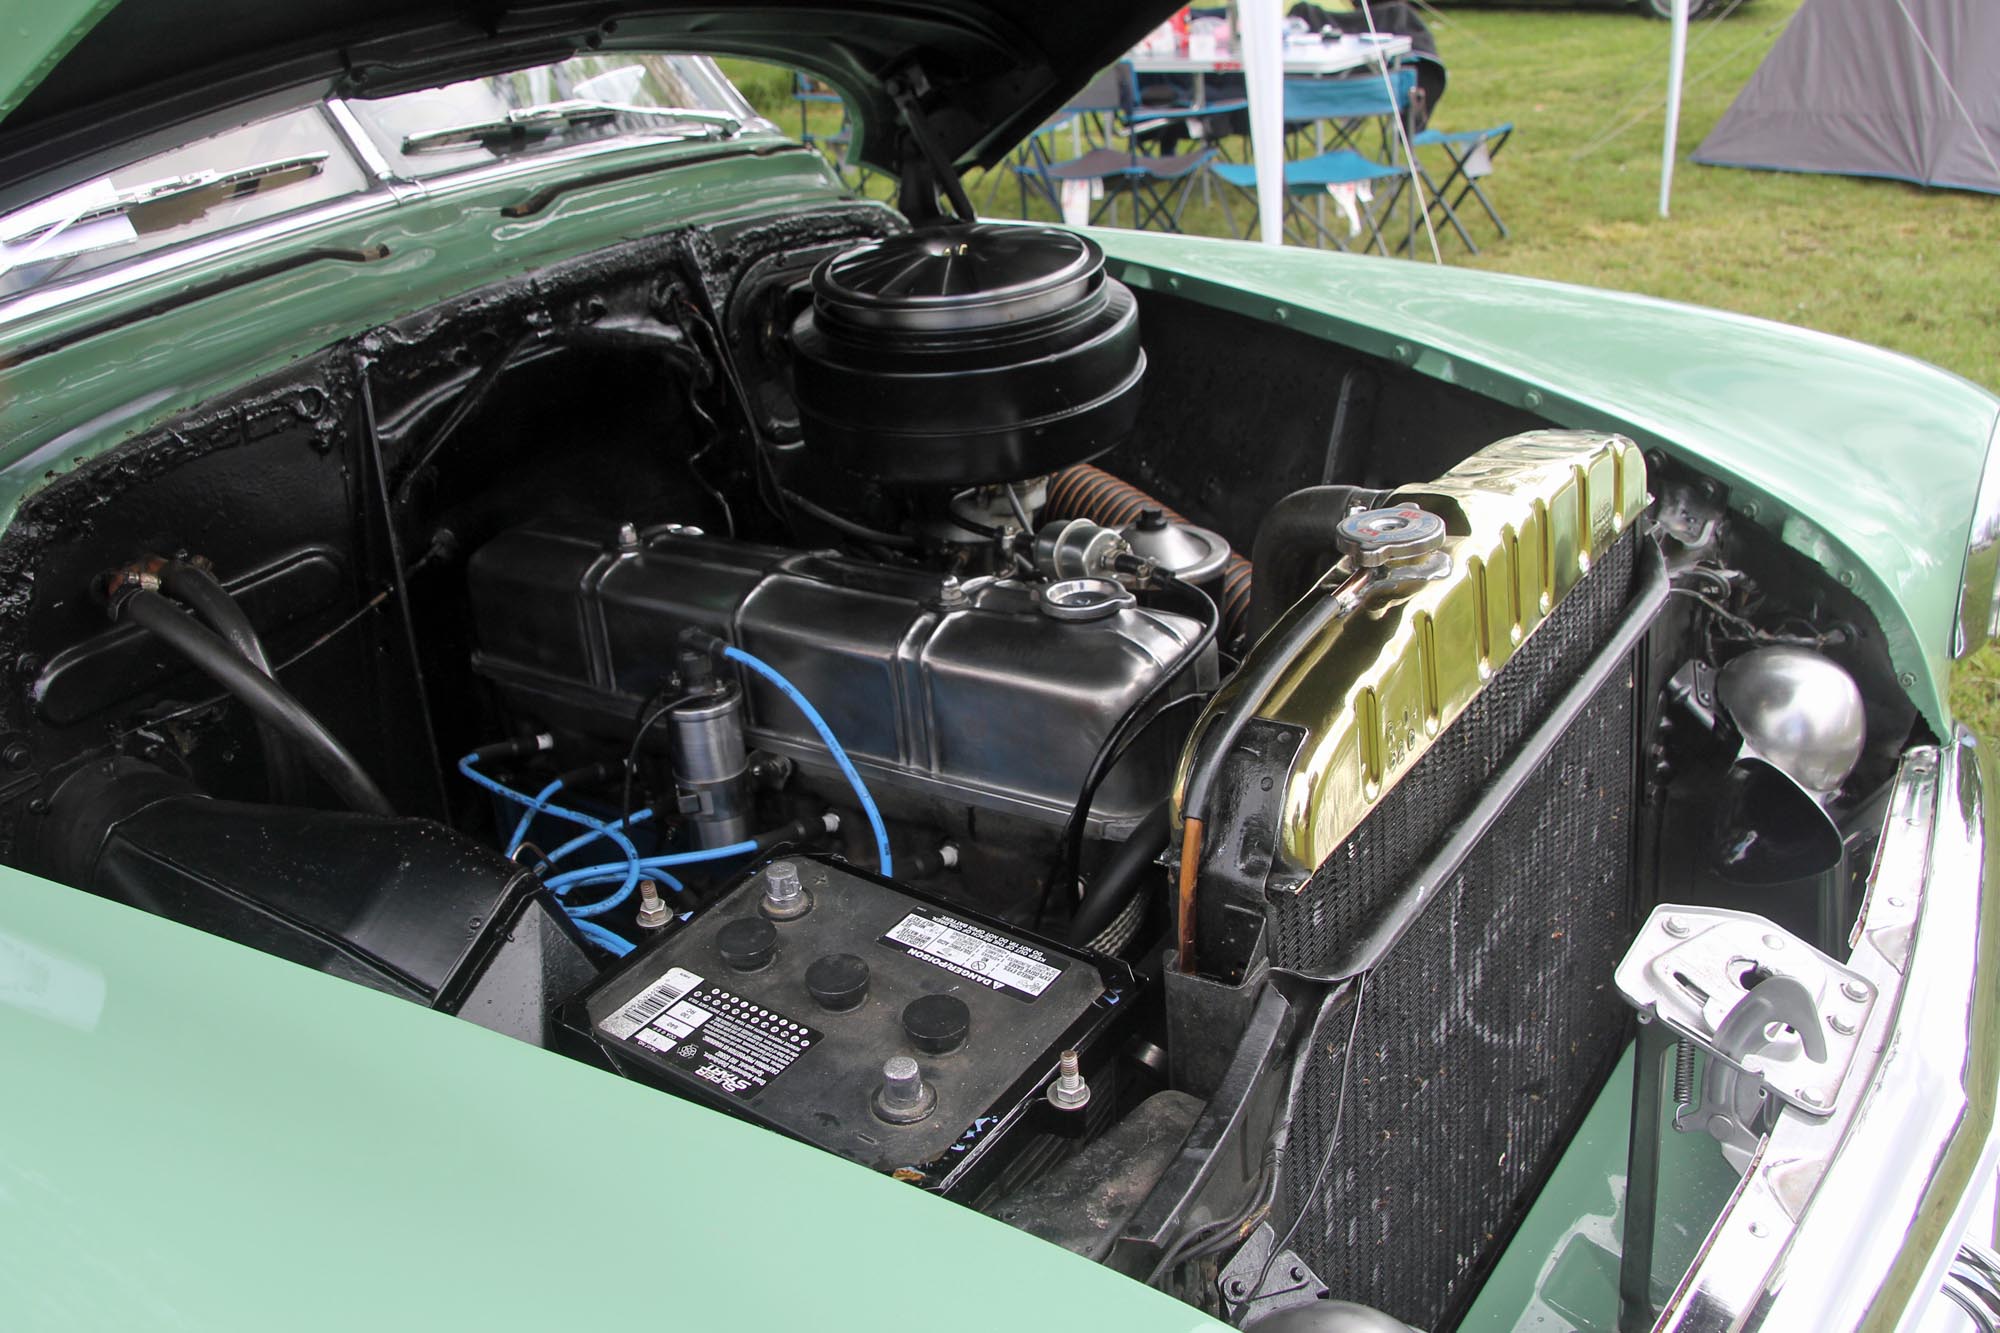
pixel 747 944
pixel 838 981
pixel 936 1023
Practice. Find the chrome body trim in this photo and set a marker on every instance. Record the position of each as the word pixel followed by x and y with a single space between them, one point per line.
pixel 1973 1285
pixel 1801 1244
pixel 1979 583
pixel 369 152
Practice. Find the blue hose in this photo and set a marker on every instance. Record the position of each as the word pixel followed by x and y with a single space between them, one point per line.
pixel 602 938
pixel 846 766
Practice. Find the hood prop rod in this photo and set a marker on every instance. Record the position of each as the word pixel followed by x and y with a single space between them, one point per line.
pixel 919 188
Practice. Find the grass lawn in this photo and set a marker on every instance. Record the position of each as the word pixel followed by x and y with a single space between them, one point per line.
pixel 1895 265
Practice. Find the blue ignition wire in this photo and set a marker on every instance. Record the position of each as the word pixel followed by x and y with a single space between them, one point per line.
pixel 581 839
pixel 612 944
pixel 469 767
pixel 603 905
pixel 846 766
pixel 599 874
pixel 535 807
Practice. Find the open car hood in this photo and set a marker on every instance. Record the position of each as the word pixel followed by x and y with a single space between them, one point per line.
pixel 84 78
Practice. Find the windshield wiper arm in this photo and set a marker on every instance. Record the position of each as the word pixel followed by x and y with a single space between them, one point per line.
pixel 232 184
pixel 57 232
pixel 552 116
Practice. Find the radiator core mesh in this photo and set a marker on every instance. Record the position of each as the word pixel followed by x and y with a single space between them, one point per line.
pixel 1493 1020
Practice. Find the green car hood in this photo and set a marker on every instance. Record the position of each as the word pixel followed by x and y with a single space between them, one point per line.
pixel 85 82
pixel 1865 461
pixel 197 1136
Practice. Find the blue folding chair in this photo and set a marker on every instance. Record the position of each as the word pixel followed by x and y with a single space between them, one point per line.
pixel 1462 147
pixel 1445 200
pixel 1157 184
pixel 1347 106
pixel 1082 120
pixel 1311 176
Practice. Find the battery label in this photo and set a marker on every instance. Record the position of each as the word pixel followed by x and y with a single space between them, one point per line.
pixel 649 1003
pixel 975 953
pixel 726 1041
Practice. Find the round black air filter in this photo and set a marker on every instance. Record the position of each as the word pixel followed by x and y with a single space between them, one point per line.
pixel 965 355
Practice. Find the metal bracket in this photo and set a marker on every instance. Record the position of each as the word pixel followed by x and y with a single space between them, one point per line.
pixel 1776 1017
pixel 1287 1281
pixel 1693 688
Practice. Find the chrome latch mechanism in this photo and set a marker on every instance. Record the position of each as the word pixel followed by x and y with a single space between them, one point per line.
pixel 1776 1018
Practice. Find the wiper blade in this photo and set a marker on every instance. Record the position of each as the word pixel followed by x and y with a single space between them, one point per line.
pixel 184 192
pixel 550 117
pixel 97 217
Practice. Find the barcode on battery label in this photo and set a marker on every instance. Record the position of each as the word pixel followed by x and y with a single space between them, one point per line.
pixel 993 960
pixel 649 1003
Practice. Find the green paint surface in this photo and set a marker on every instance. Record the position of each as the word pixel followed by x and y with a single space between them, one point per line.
pixel 34 36
pixel 198 1136
pixel 1863 460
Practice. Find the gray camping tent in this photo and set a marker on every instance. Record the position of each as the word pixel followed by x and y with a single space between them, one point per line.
pixel 1907 89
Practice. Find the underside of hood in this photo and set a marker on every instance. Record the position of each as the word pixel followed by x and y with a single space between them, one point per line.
pixel 97 78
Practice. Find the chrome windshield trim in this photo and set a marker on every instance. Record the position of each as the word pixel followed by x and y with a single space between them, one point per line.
pixel 42 301
pixel 372 157
pixel 1801 1244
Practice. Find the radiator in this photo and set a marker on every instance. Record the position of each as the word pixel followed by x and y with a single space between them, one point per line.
pixel 1487 1028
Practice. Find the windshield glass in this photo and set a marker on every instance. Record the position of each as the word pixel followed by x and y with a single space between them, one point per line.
pixel 316 154
pixel 398 125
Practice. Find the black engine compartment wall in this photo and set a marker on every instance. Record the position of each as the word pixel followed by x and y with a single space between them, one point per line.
pixel 348 563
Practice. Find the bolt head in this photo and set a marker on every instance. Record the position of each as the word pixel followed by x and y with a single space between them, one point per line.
pixel 1841 1024
pixel 1813 1096
pixel 1677 926
pixel 1853 989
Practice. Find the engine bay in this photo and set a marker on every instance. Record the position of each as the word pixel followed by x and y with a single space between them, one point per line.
pixel 960 704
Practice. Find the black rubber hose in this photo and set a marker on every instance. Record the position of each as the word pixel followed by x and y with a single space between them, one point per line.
pixel 1294 546
pixel 271 702
pixel 204 594
pixel 1119 878
pixel 1113 746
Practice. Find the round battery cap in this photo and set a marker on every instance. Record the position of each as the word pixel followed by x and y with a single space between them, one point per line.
pixel 936 1023
pixel 748 943
pixel 838 981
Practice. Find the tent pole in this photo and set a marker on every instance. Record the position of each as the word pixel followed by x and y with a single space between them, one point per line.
pixel 1676 67
pixel 1260 35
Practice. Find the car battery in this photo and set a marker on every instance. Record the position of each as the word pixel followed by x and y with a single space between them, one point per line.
pixel 859 1016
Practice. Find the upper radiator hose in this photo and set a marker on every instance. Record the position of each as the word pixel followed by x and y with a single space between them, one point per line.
pixel 1085 491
